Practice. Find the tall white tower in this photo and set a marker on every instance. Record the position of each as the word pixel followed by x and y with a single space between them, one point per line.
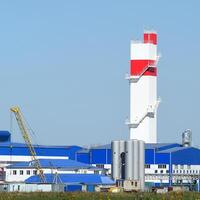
pixel 143 89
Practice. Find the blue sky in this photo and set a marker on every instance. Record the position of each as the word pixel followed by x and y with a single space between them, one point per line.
pixel 63 63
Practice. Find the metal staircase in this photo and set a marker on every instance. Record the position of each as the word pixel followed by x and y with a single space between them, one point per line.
pixel 150 112
pixel 136 78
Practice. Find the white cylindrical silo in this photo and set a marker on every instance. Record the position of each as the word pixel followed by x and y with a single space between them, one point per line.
pixel 129 160
pixel 122 158
pixel 135 154
pixel 115 160
pixel 141 164
pixel 118 147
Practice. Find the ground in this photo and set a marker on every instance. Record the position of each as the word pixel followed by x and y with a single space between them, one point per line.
pixel 98 196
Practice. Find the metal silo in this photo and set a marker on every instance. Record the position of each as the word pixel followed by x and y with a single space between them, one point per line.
pixel 141 164
pixel 118 162
pixel 129 160
pixel 115 160
pixel 135 154
pixel 187 138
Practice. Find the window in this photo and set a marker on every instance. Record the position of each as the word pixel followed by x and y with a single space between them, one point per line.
pixel 182 166
pixel 34 172
pixel 28 172
pixel 196 171
pixel 14 172
pixel 156 171
pixel 188 166
pixel 161 166
pixel 184 171
pixel 135 183
pixel 21 172
pixel 161 171
pixel 147 166
pixel 180 171
pixel 167 171
pixel 175 166
pixel 177 171
pixel 132 183
pixel 100 166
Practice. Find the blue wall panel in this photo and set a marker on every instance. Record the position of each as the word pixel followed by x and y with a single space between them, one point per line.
pixel 162 158
pixel 98 156
pixel 189 156
pixel 83 157
pixel 149 156
pixel 109 156
pixel 73 188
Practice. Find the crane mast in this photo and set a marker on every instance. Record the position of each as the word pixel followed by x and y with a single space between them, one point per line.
pixel 25 133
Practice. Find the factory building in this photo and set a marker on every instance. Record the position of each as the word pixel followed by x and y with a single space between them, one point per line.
pixel 20 171
pixel 11 152
pixel 165 163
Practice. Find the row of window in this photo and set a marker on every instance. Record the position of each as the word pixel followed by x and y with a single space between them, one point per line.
pixel 186 171
pixel 21 172
pixel 182 166
pixel 159 166
pixel 161 171
pixel 162 166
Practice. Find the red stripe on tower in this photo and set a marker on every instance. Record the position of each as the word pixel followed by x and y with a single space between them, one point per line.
pixel 143 67
pixel 150 38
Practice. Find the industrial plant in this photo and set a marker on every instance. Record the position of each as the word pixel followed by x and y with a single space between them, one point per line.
pixel 137 164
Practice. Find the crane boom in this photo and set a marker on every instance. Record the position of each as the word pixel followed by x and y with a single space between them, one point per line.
pixel 27 139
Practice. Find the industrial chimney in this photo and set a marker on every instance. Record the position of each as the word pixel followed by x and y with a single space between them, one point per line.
pixel 143 88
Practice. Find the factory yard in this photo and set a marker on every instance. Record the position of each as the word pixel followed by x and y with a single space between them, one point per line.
pixel 99 196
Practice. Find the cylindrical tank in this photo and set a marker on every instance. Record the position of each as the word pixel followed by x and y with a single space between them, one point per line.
pixel 115 160
pixel 141 164
pixel 135 154
pixel 129 160
pixel 187 138
pixel 134 161
pixel 118 163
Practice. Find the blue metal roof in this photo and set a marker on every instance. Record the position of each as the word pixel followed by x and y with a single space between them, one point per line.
pixel 16 144
pixel 84 151
pixel 106 146
pixel 157 146
pixel 161 146
pixel 7 148
pixel 53 163
pixel 173 149
pixel 89 179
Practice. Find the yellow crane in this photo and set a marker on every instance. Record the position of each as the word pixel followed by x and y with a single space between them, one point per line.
pixel 25 133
